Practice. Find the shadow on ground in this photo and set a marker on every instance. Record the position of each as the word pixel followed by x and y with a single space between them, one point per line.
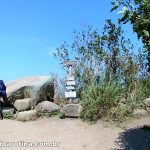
pixel 134 139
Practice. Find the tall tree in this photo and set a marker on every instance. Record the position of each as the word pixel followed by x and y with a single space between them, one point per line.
pixel 137 12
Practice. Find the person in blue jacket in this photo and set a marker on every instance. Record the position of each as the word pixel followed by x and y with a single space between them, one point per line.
pixel 3 97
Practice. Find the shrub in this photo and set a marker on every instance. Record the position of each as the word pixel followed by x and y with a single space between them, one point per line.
pixel 145 88
pixel 61 115
pixel 8 116
pixel 98 99
pixel 120 112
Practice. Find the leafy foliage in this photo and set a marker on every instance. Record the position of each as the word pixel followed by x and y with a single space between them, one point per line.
pixel 97 99
pixel 107 71
pixel 8 116
pixel 144 88
pixel 86 50
pixel 138 13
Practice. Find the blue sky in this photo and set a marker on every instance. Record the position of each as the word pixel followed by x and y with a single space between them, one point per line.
pixel 31 30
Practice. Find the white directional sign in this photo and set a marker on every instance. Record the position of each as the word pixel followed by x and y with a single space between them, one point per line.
pixel 70 87
pixel 70 94
pixel 68 83
pixel 70 79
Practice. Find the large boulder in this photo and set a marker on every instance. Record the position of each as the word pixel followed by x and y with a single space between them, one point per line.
pixel 26 115
pixel 72 110
pixel 39 88
pixel 47 107
pixel 23 104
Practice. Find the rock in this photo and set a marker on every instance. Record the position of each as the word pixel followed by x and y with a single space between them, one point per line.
pixel 72 110
pixel 23 104
pixel 139 113
pixel 39 88
pixel 148 110
pixel 45 92
pixel 147 102
pixel 47 106
pixel 26 115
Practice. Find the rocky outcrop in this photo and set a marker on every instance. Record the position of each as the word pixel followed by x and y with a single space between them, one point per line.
pixel 72 110
pixel 33 96
pixel 25 94
pixel 39 88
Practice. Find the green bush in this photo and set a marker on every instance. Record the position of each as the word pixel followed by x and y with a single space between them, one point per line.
pixel 119 113
pixel 8 116
pixel 98 99
pixel 144 88
pixel 108 100
pixel 61 115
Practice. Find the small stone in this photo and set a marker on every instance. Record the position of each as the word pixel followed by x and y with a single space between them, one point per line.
pixel 72 110
pixel 140 113
pixel 147 102
pixel 27 115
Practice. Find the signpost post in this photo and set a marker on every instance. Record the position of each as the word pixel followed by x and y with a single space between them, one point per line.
pixel 70 93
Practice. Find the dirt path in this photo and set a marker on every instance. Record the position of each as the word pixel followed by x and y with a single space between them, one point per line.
pixel 62 134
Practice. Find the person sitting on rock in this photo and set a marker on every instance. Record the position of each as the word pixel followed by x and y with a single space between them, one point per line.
pixel 3 97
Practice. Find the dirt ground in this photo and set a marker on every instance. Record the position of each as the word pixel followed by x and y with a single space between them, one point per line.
pixel 72 134
pixel 69 134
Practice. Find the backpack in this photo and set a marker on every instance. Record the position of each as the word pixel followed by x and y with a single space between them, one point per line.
pixel 2 89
